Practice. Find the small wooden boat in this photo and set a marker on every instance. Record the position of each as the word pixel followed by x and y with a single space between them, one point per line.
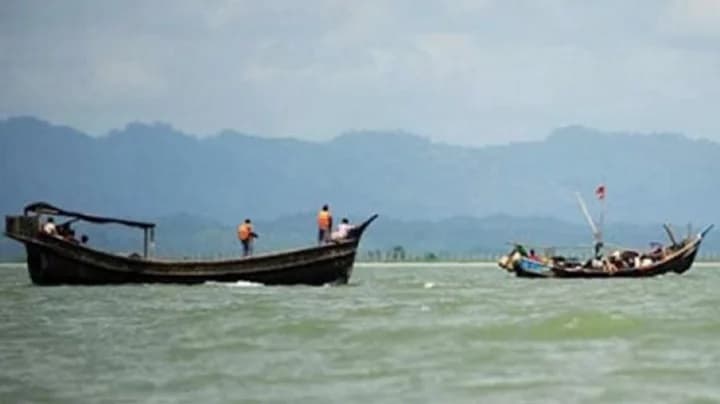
pixel 52 260
pixel 675 257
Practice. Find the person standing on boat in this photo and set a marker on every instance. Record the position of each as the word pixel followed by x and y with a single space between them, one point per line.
pixel 246 235
pixel 324 220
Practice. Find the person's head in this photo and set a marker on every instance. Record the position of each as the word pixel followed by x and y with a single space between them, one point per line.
pixel 84 239
pixel 532 252
pixel 325 207
pixel 247 221
pixel 345 220
pixel 51 220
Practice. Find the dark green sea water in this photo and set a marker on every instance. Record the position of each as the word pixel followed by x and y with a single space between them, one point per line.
pixel 438 334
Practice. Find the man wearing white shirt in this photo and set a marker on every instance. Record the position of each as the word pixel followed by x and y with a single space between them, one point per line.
pixel 49 227
pixel 342 231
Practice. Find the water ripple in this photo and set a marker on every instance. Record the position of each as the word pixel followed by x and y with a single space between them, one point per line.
pixel 415 334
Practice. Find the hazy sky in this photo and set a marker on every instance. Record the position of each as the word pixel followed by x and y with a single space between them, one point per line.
pixel 468 72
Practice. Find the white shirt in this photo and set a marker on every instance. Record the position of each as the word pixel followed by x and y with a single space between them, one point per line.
pixel 342 231
pixel 49 228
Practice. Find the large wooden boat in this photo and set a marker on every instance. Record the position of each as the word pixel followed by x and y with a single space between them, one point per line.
pixel 676 257
pixel 52 260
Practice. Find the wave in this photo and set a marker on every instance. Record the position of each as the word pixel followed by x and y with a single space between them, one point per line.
pixel 237 284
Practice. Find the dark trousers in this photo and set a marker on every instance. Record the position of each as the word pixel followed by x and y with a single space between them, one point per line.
pixel 323 235
pixel 247 247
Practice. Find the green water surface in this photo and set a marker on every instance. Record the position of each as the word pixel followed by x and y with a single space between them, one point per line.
pixel 426 334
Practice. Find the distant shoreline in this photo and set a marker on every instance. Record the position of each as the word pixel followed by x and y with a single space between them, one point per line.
pixel 478 264
pixel 475 264
pixel 472 264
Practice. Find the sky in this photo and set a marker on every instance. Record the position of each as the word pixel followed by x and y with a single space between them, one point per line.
pixel 460 72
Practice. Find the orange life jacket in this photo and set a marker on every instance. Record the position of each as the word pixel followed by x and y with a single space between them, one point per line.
pixel 244 231
pixel 324 219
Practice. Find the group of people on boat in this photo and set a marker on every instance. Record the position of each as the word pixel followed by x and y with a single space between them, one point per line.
pixel 247 235
pixel 325 224
pixel 63 231
pixel 617 260
pixel 245 231
pixel 634 259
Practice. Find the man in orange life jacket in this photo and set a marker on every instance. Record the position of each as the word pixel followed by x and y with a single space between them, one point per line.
pixel 246 235
pixel 324 220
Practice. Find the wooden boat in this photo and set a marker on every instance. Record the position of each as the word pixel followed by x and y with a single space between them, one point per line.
pixel 675 257
pixel 52 260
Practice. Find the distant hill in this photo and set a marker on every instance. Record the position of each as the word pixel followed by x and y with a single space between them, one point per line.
pixel 147 171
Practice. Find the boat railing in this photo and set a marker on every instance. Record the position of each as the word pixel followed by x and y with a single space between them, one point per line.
pixel 22 226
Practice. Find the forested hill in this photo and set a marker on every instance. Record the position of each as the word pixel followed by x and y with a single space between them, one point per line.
pixel 149 171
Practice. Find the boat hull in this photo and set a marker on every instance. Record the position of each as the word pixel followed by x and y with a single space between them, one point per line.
pixel 679 262
pixel 314 266
pixel 52 260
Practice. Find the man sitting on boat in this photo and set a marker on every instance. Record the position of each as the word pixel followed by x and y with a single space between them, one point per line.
pixel 342 231
pixel 246 235
pixel 534 256
pixel 49 227
pixel 70 236
pixel 67 233
pixel 657 252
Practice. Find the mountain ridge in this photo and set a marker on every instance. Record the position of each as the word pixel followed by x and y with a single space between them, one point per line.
pixel 150 170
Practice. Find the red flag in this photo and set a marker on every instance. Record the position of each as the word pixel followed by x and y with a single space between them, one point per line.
pixel 600 192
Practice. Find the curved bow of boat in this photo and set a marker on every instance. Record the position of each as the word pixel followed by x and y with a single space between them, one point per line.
pixel 706 231
pixel 691 252
pixel 357 231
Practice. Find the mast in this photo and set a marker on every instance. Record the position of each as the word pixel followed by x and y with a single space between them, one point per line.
pixel 601 221
pixel 596 233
